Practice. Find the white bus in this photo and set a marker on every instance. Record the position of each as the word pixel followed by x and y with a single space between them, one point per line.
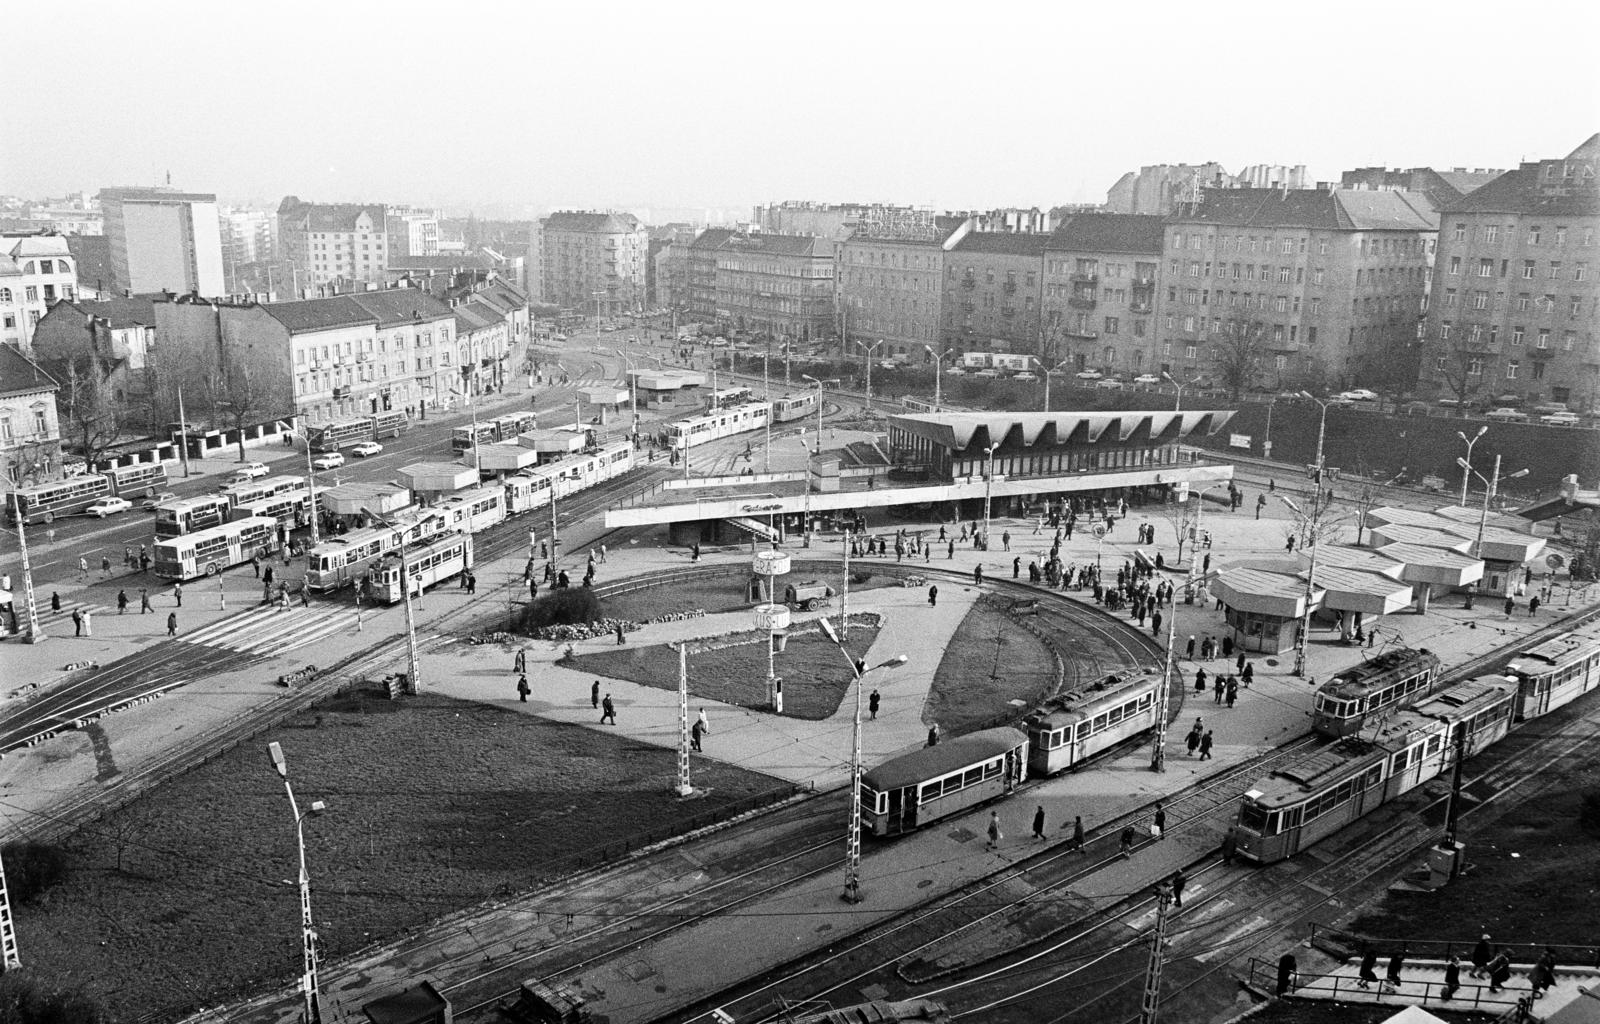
pixel 49 502
pixel 426 564
pixel 687 433
pixel 140 480
pixel 212 551
pixel 292 509
pixel 245 492
pixel 186 515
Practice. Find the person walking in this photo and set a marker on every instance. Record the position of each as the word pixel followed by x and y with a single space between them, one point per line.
pixel 1543 975
pixel 977 575
pixel 77 622
pixel 1499 971
pixel 172 623
pixel 519 662
pixel 1178 882
pixel 694 736
pixel 1155 622
pixel 933 596
pixel 621 638
pixel 255 563
pixel 177 593
pixel 1391 980
pixel 144 601
pixel 1217 687
pixel 1188 651
pixel 1482 953
pixel 1205 746
pixel 267 576
pixel 995 835
pixel 594 693
pixel 105 565
pixel 1192 741
pixel 1369 968
pixel 1452 977
pixel 1533 606
pixel 933 735
pixel 83 570
pixel 1288 967
pixel 122 602
pixel 1016 568
pixel 703 722
pixel 1248 673
pixel 1126 847
pixel 1038 822
pixel 1233 690
pixel 1511 605
pixel 522 688
pixel 1200 680
pixel 55 601
pixel 1158 828
pixel 1077 833
pixel 608 710
pixel 872 704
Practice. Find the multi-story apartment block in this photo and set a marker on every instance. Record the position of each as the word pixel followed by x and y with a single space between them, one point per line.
pixel 593 262
pixel 30 432
pixel 35 270
pixel 700 269
pixel 890 282
pixel 1299 287
pixel 1513 309
pixel 1158 188
pixel 829 220
pixel 1441 187
pixel 993 293
pixel 412 232
pixel 779 284
pixel 246 239
pixel 333 243
pixel 162 239
pixel 1100 279
pixel 672 276
pixel 74 214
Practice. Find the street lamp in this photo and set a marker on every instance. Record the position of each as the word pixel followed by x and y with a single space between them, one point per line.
pixel 312 1010
pixel 1491 485
pixel 1047 374
pixel 311 479
pixel 938 365
pixel 1177 401
pixel 852 872
pixel 36 633
pixel 413 659
pixel 1311 573
pixel 869 349
pixel 818 383
pixel 1466 463
pixel 988 489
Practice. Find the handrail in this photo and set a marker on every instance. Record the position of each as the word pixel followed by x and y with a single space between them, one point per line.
pixel 1440 949
pixel 1470 994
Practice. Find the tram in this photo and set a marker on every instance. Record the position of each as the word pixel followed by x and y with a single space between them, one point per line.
pixel 209 552
pixel 186 515
pixel 1555 672
pixel 426 564
pixel 712 426
pixel 339 561
pixel 1071 727
pixel 788 408
pixel 1362 695
pixel 1338 784
pixel 915 789
pixel 472 509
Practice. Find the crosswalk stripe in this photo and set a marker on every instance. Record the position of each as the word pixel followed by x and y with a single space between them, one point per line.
pixel 274 630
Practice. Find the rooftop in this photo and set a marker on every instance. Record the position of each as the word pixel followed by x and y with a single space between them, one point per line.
pixel 1138 233
pixel 777 245
pixel 1003 243
pixel 1322 209
pixel 130 194
pixel 19 375
pixel 962 431
pixel 590 222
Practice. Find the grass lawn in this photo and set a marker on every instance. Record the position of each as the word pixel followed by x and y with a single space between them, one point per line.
pixel 433 805
pixel 815 676
pixel 719 594
pixel 977 678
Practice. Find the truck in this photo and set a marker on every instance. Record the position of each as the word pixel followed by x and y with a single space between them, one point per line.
pixel 807 595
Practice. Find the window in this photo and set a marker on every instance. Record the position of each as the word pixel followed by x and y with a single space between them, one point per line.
pixel 1534 234
pixel 1287 249
pixel 1480 300
pixel 1517 334
pixel 1316 276
pixel 1491 234
pixel 1567 339
pixel 1461 233
pixel 1574 307
pixel 1555 269
pixel 40 421
pixel 31 293
pixel 1190 351
pixel 1475 366
pixel 1580 272
pixel 1322 247
pixel 1450 298
pixel 1561 238
pixel 1512 368
pixel 1455 266
pixel 1446 328
pixel 1485 268
pixel 1112 324
pixel 1544 338
pixel 1527 270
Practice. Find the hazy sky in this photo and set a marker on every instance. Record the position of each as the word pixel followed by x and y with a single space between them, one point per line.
pixel 528 106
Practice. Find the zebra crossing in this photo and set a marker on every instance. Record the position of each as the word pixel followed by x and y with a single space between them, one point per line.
pixel 269 629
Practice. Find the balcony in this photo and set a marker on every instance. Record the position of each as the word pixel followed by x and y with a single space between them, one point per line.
pixel 1139 307
pixel 1144 282
pixel 1081 302
pixel 1087 333
pixel 1010 287
pixel 1084 278
pixel 1541 354
pixel 969 283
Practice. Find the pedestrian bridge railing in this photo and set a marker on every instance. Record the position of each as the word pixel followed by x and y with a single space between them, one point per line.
pixel 1472 994
pixel 1341 942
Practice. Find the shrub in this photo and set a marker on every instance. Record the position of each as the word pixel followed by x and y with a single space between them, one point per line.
pixel 26 1001
pixel 1589 812
pixel 561 608
pixel 32 869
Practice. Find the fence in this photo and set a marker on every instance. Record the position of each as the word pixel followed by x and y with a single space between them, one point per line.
pixel 1342 942
pixel 1470 996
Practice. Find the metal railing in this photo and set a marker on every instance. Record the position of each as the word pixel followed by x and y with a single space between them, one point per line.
pixel 1440 949
pixel 1470 995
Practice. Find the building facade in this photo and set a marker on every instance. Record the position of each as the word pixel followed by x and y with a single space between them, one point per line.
pixel 700 269
pixel 119 332
pixel 891 284
pixel 36 270
pixel 1287 288
pixel 1158 189
pixel 30 431
pixel 1100 273
pixel 778 284
pixel 162 239
pixel 593 262
pixel 1513 310
pixel 412 232
pixel 332 243
pixel 993 293
pixel 247 239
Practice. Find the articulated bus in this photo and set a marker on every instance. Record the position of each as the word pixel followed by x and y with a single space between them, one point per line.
pixel 291 510
pixel 259 490
pixel 139 480
pixel 212 551
pixel 49 502
pixel 330 437
pixel 426 564
pixel 389 423
pixel 186 515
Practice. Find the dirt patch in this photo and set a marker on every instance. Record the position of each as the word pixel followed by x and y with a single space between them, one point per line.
pixel 433 805
pixel 990 661
pixel 815 676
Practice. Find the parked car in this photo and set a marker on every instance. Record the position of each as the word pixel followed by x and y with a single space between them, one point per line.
pixel 109 507
pixel 1560 419
pixel 955 371
pixel 1358 395
pixel 159 498
pixel 332 460
pixel 367 448
pixel 1549 408
pixel 1506 415
pixel 253 470
pixel 1109 384
pixel 990 374
pixel 1025 375
pixel 1147 379
pixel 1089 375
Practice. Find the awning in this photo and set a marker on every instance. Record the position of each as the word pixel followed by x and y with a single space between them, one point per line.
pixel 1351 590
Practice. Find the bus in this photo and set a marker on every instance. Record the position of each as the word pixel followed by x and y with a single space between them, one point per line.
pixel 140 480
pixel 464 439
pixel 186 515
pixel 259 490
pixel 426 564
pixel 49 502
pixel 330 437
pixel 291 510
pixel 212 551
pixel 389 423
pixel 508 427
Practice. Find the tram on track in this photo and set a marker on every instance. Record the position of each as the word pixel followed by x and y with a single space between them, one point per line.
pixel 1362 695
pixel 340 561
pixel 433 562
pixel 788 408
pixel 1555 672
pixel 1071 727
pixel 712 426
pixel 915 789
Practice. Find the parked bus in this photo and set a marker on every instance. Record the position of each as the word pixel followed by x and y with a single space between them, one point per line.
pixel 426 564
pixel 48 502
pixel 245 492
pixel 509 426
pixel 330 437
pixel 187 515
pixel 389 423
pixel 291 510
pixel 212 551
pixel 140 480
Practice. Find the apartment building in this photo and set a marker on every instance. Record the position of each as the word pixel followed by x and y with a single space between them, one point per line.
pixel 778 284
pixel 593 262
pixel 890 283
pixel 119 331
pixel 163 239
pixel 332 243
pixel 700 268
pixel 1100 277
pixel 36 269
pixel 1513 310
pixel 30 431
pixel 993 293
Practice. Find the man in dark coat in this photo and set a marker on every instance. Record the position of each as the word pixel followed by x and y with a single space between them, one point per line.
pixel 608 710
pixel 1038 822
pixel 1178 882
pixel 1482 953
pixel 1369 969
pixel 1287 966
pixel 933 597
pixel 594 693
pixel 872 703
pixel 1452 977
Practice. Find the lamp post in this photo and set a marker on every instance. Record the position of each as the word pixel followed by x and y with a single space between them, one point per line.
pixel 413 659
pixel 1047 374
pixel 869 350
pixel 1311 574
pixel 852 871
pixel 35 633
pixel 938 365
pixel 766 393
pixel 1491 485
pixel 988 490
pixel 1466 463
pixel 1194 549
pixel 818 383
pixel 312 1010
pixel 311 480
pixel 772 617
pixel 1177 401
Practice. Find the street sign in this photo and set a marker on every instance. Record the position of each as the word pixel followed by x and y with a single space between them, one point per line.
pixel 1554 560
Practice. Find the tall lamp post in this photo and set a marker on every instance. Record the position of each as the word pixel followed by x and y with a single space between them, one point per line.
pixel 413 659
pixel 36 633
pixel 852 870
pixel 988 490
pixel 818 383
pixel 938 365
pixel 1304 636
pixel 1466 463
pixel 1491 485
pixel 869 350
pixel 311 480
pixel 312 1010
pixel 1177 401
pixel 1047 374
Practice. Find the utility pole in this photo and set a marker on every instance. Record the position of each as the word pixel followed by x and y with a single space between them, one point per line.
pixel 35 635
pixel 1158 753
pixel 10 960
pixel 844 601
pixel 1150 1005
pixel 684 788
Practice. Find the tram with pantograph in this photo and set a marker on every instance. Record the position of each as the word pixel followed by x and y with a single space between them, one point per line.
pixel 915 789
pixel 1365 693
pixel 1074 726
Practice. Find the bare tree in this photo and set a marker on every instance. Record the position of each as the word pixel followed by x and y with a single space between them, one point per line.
pixel 1180 515
pixel 1461 371
pixel 247 386
pixel 1237 357
pixel 88 413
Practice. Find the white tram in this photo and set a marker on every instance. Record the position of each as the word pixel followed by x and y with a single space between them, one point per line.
pixel 912 790
pixel 712 426
pixel 788 408
pixel 1553 673
pixel 426 564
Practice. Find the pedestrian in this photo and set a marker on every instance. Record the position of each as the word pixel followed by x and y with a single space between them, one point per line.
pixel 1077 833
pixel 872 703
pixel 1287 968
pixel 1499 971
pixel 305 596
pixel 1016 567
pixel 1233 691
pixel 1533 606
pixel 1372 637
pixel 1126 848
pixel 144 561
pixel 1391 979
pixel 522 688
pixel 1230 847
pixel 77 622
pixel 1217 688
pixel 1205 746
pixel 1155 622
pixel 951 552
pixel 55 601
pixel 1238 665
pixel 694 736
pixel 172 623
pixel 1005 540
pixel 933 735
pixel 1543 975
pixel 144 601
pixel 105 565
pixel 1192 741
pixel 519 662
pixel 1188 651
pixel 88 622
pixel 1248 674
pixel 1511 605
pixel 472 583
pixel 177 593
pixel 933 597
pixel 1038 822
pixel 1369 968
pixel 1200 680
pixel 127 556
pixel 267 577
pixel 1178 882
pixel 1482 953
pixel 255 563
pixel 995 835
pixel 602 554
pixel 1452 977
pixel 977 575
pixel 1160 829
pixel 608 710
pixel 594 693
pixel 122 602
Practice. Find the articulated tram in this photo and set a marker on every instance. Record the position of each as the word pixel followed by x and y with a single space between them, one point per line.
pixel 713 426
pixel 1555 672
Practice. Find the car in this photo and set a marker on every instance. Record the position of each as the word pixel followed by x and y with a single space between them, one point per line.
pixel 332 460
pixel 1560 419
pixel 1147 379
pixel 159 498
pixel 253 470
pixel 1025 375
pixel 1109 384
pixel 1505 414
pixel 559 337
pixel 1549 408
pixel 366 449
pixel 1089 375
pixel 955 371
pixel 1358 395
pixel 991 374
pixel 109 507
